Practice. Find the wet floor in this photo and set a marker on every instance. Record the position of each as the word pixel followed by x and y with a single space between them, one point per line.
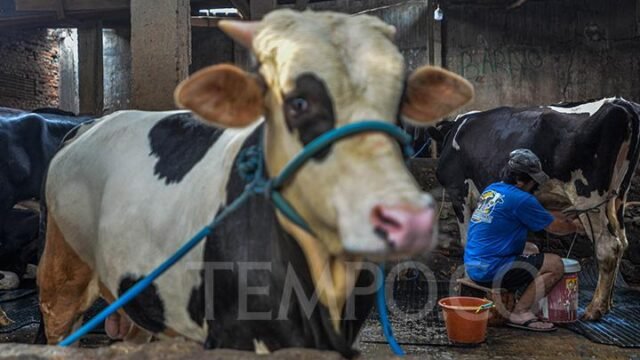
pixel 506 343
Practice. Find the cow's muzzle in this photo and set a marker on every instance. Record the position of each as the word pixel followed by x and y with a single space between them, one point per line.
pixel 406 229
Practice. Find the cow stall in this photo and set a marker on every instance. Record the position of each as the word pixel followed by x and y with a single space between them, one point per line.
pixel 96 58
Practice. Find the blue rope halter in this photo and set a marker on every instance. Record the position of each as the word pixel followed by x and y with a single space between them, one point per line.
pixel 250 165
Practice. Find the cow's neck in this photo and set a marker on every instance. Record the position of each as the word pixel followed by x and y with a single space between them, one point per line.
pixel 334 277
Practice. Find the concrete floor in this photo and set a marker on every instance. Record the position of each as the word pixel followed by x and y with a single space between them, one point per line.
pixel 502 343
pixel 506 343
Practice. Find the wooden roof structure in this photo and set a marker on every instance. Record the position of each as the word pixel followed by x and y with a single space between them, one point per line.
pixel 73 13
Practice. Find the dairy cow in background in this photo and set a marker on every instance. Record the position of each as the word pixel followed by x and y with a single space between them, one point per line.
pixel 590 151
pixel 28 141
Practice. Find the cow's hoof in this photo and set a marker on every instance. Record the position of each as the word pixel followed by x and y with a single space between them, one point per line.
pixel 4 319
pixel 117 326
pixel 8 280
pixel 594 313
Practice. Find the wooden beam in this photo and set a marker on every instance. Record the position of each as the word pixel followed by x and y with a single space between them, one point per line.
pixel 243 8
pixel 71 5
pixel 50 19
pixel 90 69
pixel 205 21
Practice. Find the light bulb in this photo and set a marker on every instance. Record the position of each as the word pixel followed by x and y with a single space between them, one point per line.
pixel 438 14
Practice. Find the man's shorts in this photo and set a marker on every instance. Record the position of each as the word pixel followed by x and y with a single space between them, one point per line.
pixel 519 274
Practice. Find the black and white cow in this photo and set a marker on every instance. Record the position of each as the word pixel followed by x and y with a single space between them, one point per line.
pixel 590 151
pixel 28 141
pixel 126 193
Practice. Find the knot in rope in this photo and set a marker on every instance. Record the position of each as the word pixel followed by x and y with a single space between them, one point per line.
pixel 249 164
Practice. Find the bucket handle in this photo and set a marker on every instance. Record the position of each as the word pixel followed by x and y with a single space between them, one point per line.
pixel 486 306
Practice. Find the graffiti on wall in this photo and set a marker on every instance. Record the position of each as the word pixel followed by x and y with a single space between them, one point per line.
pixel 486 60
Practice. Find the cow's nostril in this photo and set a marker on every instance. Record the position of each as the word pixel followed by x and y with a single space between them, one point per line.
pixel 379 216
pixel 382 233
pixel 384 236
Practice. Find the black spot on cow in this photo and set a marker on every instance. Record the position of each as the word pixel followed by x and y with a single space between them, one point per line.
pixel 582 189
pixel 196 303
pixel 147 309
pixel 179 142
pixel 309 110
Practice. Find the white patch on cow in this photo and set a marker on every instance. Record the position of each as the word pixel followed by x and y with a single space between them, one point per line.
pixel 124 221
pixel 467 209
pixel 455 137
pixel 260 347
pixel 578 175
pixel 621 166
pixel 587 108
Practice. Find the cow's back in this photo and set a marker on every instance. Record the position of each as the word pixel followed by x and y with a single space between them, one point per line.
pixel 133 187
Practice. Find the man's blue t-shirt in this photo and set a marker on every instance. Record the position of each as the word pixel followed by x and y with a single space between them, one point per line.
pixel 498 229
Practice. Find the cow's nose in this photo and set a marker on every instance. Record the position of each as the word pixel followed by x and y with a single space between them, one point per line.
pixel 405 228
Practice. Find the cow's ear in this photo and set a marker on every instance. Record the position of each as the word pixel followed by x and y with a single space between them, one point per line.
pixel 223 95
pixel 433 93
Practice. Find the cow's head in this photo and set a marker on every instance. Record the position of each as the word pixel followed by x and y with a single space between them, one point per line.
pixel 319 71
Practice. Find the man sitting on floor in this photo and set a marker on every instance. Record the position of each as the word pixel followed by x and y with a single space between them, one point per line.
pixel 497 238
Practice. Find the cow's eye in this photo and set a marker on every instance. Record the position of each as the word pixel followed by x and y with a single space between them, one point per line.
pixel 298 106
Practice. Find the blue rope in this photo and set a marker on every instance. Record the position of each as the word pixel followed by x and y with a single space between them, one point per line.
pixel 250 166
pixel 381 304
pixel 326 139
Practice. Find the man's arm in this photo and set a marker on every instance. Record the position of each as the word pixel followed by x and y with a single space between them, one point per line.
pixel 563 225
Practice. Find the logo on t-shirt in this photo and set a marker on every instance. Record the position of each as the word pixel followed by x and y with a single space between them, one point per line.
pixel 488 201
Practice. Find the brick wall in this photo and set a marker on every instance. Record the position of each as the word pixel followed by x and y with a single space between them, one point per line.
pixel 29 71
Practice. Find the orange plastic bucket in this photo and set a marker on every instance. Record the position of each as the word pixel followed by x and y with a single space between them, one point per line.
pixel 466 318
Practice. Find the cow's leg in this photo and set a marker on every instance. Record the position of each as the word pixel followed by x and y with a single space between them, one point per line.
pixel 609 250
pixel 461 212
pixel 66 284
pixel 464 199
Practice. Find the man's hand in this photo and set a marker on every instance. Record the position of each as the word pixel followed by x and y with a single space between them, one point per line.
pixel 564 224
pixel 571 214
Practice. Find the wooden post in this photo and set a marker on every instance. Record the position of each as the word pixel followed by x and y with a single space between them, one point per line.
pixel 437 43
pixel 434 36
pixel 430 27
pixel 90 69
pixel 160 51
